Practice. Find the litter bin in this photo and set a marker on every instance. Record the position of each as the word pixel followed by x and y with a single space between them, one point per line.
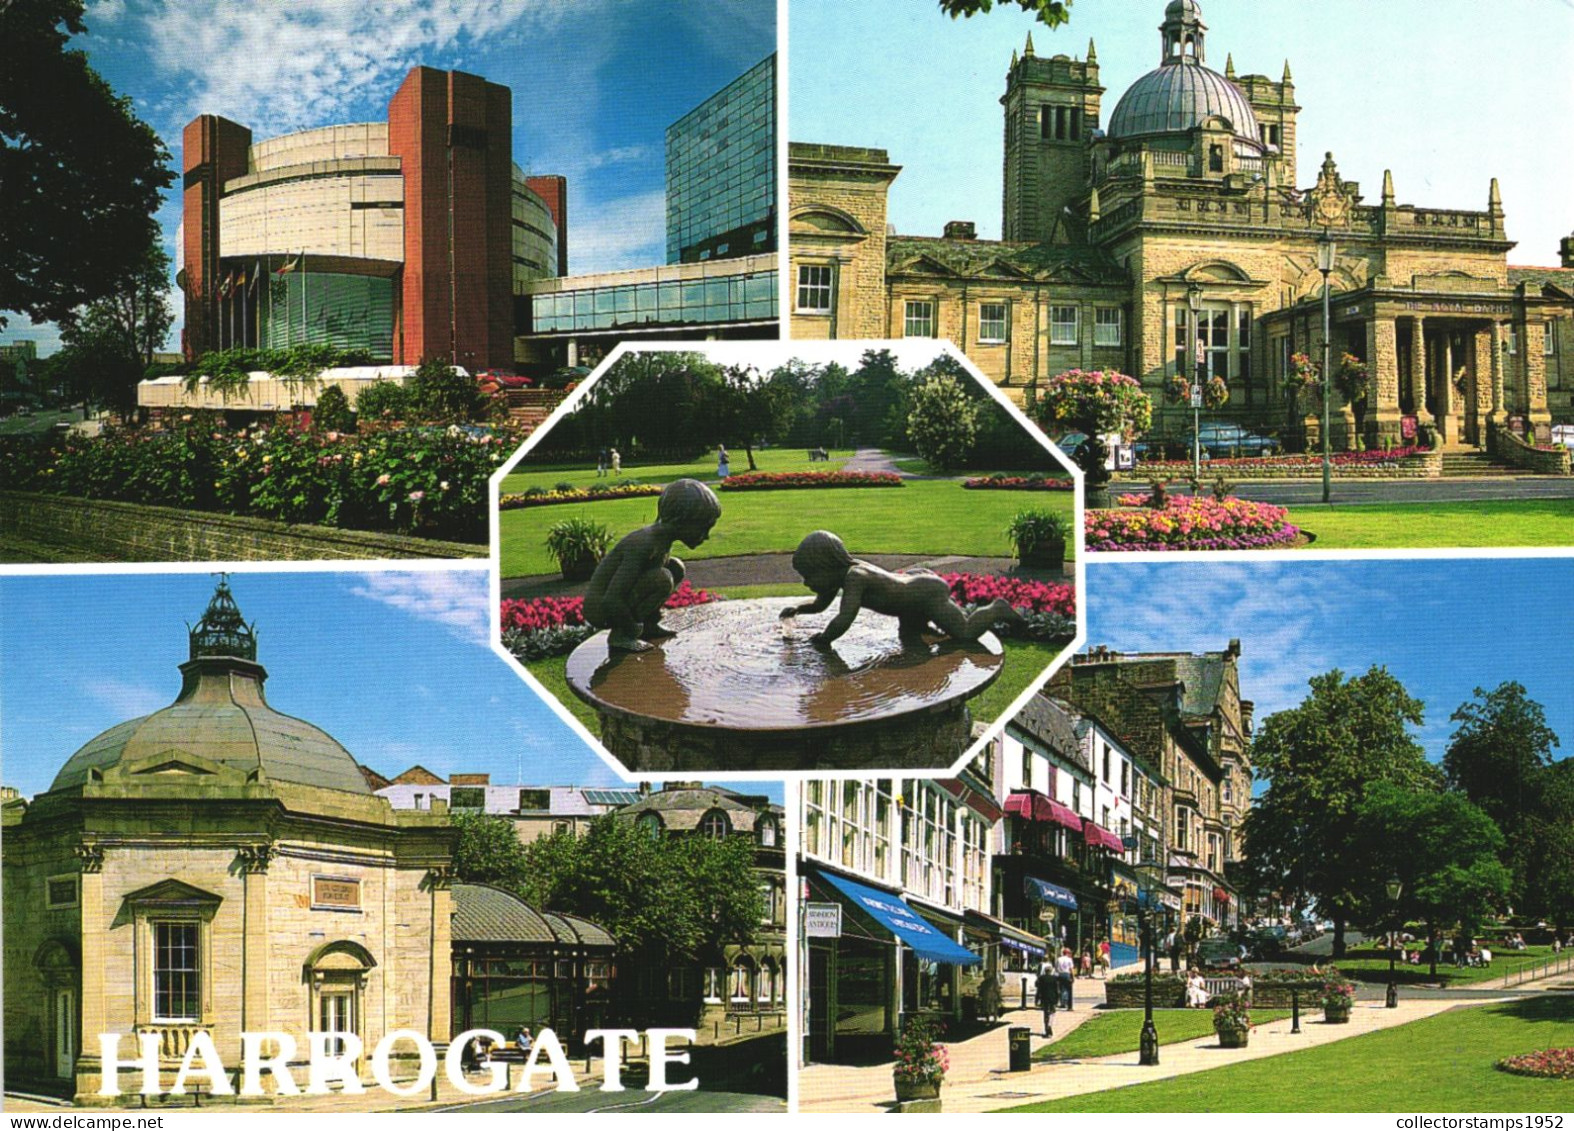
pixel 1021 1048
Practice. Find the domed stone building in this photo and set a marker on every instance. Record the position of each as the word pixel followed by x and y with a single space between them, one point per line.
pixel 1176 239
pixel 217 867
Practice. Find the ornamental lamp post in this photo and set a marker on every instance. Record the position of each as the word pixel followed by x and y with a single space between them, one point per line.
pixel 1395 889
pixel 1327 252
pixel 1194 366
pixel 1149 1045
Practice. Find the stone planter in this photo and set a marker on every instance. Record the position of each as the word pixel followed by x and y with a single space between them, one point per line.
pixel 1337 1014
pixel 580 568
pixel 909 1089
pixel 1043 555
pixel 1233 1038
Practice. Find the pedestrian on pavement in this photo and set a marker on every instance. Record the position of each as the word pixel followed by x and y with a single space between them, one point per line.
pixel 602 459
pixel 1087 964
pixel 1065 967
pixel 1105 964
pixel 617 463
pixel 723 464
pixel 1047 986
pixel 1172 943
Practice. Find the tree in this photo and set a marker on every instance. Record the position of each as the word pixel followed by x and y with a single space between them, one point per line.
pixel 1547 888
pixel 440 393
pixel 111 341
pixel 942 422
pixel 665 898
pixel 750 409
pixel 1442 849
pixel 1319 759
pixel 82 174
pixel 489 851
pixel 1497 755
pixel 1050 13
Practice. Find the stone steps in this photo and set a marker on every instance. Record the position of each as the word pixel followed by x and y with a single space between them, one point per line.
pixel 1466 465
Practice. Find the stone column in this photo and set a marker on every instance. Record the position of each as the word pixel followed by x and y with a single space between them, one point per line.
pixel 1418 370
pixel 1537 416
pixel 1499 408
pixel 1382 398
pixel 440 881
pixel 94 926
pixel 1445 391
pixel 1478 406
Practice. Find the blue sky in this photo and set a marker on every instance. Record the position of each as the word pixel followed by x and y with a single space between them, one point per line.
pixel 1446 93
pixel 595 83
pixel 392 664
pixel 1442 626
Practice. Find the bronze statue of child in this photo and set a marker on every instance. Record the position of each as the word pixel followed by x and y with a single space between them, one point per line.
pixel 916 598
pixel 633 582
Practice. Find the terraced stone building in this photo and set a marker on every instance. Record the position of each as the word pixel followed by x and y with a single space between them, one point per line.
pixel 1173 237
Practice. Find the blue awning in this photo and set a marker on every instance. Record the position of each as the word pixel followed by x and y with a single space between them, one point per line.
pixel 893 913
pixel 1050 893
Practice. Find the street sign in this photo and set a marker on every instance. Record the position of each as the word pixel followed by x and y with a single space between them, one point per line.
pixel 1196 396
pixel 822 920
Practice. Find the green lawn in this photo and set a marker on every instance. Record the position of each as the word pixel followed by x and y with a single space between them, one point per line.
pixel 1439 1063
pixel 1528 522
pixel 583 475
pixel 1106 1034
pixel 935 517
pixel 1025 661
pixel 1372 966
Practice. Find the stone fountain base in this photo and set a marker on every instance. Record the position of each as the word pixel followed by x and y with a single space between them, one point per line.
pixel 738 689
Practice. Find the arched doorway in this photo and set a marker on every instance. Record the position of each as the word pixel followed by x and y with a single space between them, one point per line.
pixel 60 972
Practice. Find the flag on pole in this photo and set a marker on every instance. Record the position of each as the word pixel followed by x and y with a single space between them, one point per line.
pixel 289 265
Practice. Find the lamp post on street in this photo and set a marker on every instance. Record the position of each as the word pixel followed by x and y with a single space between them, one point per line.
pixel 1327 252
pixel 1194 385
pixel 1395 889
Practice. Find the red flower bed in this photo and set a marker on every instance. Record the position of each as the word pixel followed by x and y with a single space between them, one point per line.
pixel 791 480
pixel 1554 1064
pixel 1191 523
pixel 541 613
pixel 1035 596
pixel 1016 483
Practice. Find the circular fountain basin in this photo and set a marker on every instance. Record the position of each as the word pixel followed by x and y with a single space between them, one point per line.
pixel 738 688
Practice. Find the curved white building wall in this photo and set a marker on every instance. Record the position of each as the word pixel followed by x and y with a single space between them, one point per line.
pixel 328 208
pixel 329 143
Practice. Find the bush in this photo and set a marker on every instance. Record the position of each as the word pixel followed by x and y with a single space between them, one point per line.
pixel 441 394
pixel 383 400
pixel 574 539
pixel 942 422
pixel 1031 529
pixel 332 413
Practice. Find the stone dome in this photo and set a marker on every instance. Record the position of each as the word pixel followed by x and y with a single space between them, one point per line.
pixel 1176 98
pixel 1183 9
pixel 222 716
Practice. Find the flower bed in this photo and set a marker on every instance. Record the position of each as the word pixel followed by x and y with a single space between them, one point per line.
pixel 1017 483
pixel 554 626
pixel 1049 611
pixel 797 480
pixel 1552 1064
pixel 541 497
pixel 430 481
pixel 1191 523
pixel 1310 462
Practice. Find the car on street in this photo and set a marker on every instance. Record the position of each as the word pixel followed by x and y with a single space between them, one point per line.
pixel 1218 954
pixel 1268 942
pixel 1224 440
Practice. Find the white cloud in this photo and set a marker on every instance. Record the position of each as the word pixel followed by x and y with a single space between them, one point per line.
pixel 128 700
pixel 279 68
pixel 627 232
pixel 456 599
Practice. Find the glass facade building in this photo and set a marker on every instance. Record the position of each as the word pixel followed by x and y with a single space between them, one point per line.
pixel 721 172
pixel 348 312
pixel 609 304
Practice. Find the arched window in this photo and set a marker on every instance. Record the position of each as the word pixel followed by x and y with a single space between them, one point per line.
pixel 743 978
pixel 715 825
pixel 767 829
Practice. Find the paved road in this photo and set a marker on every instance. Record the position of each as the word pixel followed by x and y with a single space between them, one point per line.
pixel 1356 492
pixel 630 1101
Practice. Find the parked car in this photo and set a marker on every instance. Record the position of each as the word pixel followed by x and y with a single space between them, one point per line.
pixel 1224 440
pixel 1218 954
pixel 1269 942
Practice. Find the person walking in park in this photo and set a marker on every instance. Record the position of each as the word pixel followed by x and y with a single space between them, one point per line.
pixel 602 457
pixel 617 463
pixel 723 463
pixel 1065 968
pixel 1047 987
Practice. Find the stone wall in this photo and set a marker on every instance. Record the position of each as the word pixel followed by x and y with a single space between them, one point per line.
pixel 111 531
pixel 1512 450
pixel 1428 465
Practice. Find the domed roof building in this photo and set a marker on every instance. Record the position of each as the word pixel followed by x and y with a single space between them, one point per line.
pixel 213 868
pixel 1176 238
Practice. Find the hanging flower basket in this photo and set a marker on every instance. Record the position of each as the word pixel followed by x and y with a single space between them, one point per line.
pixel 1352 379
pixel 1215 394
pixel 1303 377
pixel 1177 390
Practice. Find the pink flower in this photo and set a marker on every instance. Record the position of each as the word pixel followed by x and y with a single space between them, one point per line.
pixel 382 480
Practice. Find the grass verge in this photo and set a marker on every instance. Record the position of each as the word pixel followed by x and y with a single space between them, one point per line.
pixel 704 468
pixel 1120 1030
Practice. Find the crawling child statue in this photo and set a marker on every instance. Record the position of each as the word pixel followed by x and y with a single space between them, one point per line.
pixel 633 582
pixel 916 598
